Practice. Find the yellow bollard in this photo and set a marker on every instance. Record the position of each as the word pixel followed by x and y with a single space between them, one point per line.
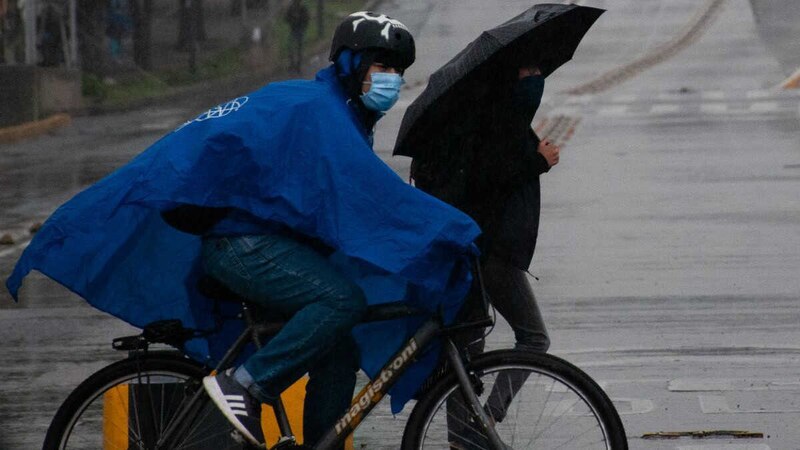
pixel 115 418
pixel 116 410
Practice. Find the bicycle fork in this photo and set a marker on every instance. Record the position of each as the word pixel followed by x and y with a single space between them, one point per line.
pixel 472 397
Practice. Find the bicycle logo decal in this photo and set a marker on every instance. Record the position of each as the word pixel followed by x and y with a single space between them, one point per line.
pixel 380 19
pixel 219 111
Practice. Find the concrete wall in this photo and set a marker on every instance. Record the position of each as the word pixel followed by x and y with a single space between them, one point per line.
pixel 30 93
pixel 59 90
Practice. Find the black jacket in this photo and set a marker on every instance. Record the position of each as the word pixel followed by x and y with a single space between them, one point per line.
pixel 512 227
pixel 493 177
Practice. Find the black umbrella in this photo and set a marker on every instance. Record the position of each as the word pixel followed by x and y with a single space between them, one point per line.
pixel 546 35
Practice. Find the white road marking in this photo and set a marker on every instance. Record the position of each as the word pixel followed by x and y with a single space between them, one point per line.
pixel 631 406
pixel 714 108
pixel 665 109
pixel 580 99
pixel 624 98
pixel 759 94
pixel 722 385
pixel 613 110
pixel 724 447
pixel 713 95
pixel 762 107
pixel 694 385
pixel 718 404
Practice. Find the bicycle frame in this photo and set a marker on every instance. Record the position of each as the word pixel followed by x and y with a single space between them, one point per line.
pixel 369 396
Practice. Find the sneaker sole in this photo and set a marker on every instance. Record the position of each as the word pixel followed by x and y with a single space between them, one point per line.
pixel 216 395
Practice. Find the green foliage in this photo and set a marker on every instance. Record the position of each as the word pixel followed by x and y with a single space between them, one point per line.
pixel 93 87
pixel 141 85
pixel 128 91
pixel 135 86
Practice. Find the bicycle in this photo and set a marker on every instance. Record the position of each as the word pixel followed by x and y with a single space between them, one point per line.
pixel 501 399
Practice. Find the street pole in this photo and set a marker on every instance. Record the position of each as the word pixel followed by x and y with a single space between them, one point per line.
pixel 73 33
pixel 29 18
pixel 192 16
pixel 320 18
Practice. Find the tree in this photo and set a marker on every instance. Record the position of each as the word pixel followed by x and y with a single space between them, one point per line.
pixel 91 38
pixel 320 18
pixel 142 13
pixel 191 17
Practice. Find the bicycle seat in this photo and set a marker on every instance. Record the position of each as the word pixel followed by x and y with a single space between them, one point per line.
pixel 215 290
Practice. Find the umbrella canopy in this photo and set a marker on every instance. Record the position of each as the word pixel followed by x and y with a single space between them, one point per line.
pixel 545 35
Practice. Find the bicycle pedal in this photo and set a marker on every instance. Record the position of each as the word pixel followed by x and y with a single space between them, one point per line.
pixel 240 440
pixel 288 443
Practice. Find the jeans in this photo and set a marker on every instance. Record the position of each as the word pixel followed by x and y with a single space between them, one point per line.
pixel 289 278
pixel 512 296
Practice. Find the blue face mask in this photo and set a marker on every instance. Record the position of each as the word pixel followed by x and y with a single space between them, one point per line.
pixel 383 91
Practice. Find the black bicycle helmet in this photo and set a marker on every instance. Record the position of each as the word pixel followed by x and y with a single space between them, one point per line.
pixel 367 30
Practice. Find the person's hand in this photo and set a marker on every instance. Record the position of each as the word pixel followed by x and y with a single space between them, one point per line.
pixel 549 151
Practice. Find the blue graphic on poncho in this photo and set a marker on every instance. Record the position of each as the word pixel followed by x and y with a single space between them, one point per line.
pixel 293 154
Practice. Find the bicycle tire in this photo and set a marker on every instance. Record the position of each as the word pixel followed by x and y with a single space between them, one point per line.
pixel 113 408
pixel 554 387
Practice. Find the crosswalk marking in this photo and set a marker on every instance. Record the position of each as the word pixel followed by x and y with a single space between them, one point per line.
pixel 676 96
pixel 764 107
pixel 723 447
pixel 665 109
pixel 714 108
pixel 718 404
pixel 759 94
pixel 713 95
pixel 613 110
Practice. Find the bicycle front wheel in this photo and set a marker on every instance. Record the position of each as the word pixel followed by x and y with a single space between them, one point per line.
pixel 130 404
pixel 537 401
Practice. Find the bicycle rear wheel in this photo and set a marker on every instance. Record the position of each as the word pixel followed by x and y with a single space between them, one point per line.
pixel 538 401
pixel 129 405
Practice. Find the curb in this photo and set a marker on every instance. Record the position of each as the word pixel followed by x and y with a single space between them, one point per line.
pixel 793 82
pixel 35 128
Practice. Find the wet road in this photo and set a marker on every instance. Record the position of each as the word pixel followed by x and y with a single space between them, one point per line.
pixel 669 249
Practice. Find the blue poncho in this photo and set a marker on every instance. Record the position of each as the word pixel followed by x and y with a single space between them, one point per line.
pixel 293 154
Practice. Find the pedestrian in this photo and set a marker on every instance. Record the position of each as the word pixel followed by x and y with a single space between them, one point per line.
pixel 278 196
pixel 495 179
pixel 119 24
pixel 501 191
pixel 297 17
pixel 50 45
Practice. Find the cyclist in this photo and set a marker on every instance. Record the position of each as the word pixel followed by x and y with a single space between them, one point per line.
pixel 257 193
pixel 287 272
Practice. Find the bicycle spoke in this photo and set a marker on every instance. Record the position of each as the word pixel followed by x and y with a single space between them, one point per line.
pixel 525 404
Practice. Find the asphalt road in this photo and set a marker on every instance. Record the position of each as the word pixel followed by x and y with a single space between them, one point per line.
pixel 669 249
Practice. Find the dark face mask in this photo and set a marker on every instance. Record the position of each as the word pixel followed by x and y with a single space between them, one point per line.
pixel 527 96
